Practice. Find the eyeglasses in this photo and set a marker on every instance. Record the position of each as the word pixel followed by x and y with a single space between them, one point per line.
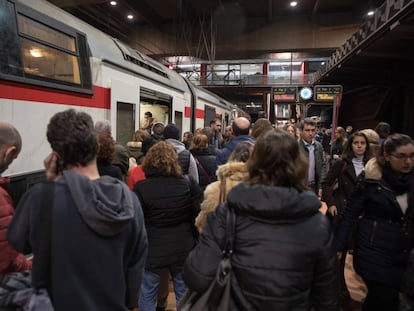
pixel 403 156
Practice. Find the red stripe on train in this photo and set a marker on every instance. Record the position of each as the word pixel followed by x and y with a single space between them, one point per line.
pixel 199 113
pixel 101 97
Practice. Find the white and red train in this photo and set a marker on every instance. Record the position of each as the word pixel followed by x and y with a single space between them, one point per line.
pixel 51 61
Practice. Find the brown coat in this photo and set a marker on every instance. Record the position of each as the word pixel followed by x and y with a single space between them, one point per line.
pixel 344 173
pixel 233 173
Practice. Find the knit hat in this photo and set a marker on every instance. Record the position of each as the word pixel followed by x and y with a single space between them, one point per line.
pixel 171 131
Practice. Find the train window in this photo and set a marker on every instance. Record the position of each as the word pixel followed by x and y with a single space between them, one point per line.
pixel 47 62
pixel 49 53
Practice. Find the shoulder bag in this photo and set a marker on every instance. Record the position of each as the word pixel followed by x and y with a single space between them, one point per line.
pixel 26 291
pixel 217 296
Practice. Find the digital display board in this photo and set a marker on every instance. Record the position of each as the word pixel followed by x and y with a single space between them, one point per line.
pixel 326 93
pixel 284 94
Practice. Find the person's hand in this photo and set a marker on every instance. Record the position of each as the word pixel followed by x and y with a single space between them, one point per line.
pixel 320 193
pixel 333 210
pixel 323 207
pixel 50 163
pixel 132 163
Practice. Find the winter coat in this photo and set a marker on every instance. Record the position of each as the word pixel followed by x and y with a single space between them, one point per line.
pixel 342 176
pixel 206 166
pixel 107 169
pixel 135 150
pixel 233 173
pixel 224 154
pixel 170 205
pixel 384 235
pixel 98 242
pixel 10 259
pixel 283 256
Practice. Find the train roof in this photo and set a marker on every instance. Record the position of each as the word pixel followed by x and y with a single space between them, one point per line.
pixel 110 50
pixel 213 98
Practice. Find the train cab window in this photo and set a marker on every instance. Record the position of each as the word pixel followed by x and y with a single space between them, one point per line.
pixel 51 54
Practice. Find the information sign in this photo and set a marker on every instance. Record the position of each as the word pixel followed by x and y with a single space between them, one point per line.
pixel 284 94
pixel 326 93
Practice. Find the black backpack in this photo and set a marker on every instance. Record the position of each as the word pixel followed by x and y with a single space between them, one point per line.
pixel 184 160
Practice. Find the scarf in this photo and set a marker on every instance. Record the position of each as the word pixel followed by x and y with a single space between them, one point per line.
pixel 399 183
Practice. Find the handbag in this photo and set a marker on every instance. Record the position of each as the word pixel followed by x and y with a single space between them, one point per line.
pixel 26 291
pixel 217 296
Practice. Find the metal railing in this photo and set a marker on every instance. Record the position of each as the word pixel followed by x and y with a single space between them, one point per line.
pixel 385 16
pixel 253 80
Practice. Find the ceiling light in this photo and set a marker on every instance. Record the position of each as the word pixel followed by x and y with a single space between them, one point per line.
pixel 130 16
pixel 36 53
pixel 293 3
pixel 370 13
pixel 113 3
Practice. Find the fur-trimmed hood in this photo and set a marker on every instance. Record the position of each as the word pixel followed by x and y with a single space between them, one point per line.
pixel 373 170
pixel 136 144
pixel 236 171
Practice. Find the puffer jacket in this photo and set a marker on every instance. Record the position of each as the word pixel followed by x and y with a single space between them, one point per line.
pixel 170 205
pixel 10 259
pixel 283 256
pixel 384 234
pixel 232 173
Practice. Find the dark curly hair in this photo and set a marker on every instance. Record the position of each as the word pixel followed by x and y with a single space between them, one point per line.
pixel 162 158
pixel 72 136
pixel 277 161
pixel 106 152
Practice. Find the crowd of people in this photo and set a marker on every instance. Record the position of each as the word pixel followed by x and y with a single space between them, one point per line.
pixel 128 219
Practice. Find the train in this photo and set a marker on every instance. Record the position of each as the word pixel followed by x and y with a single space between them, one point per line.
pixel 51 61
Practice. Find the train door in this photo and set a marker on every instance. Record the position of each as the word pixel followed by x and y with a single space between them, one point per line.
pixel 157 103
pixel 178 120
pixel 125 122
pixel 209 114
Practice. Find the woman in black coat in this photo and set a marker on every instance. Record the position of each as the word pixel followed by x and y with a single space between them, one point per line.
pixel 384 197
pixel 337 187
pixel 283 257
pixel 205 159
pixel 170 203
pixel 338 184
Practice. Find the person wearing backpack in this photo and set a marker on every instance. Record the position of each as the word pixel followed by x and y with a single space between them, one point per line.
pixel 185 159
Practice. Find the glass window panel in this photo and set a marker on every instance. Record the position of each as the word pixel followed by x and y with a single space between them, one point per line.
pixel 49 63
pixel 34 29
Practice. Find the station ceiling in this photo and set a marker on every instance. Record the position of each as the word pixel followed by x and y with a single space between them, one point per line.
pixel 385 59
pixel 169 16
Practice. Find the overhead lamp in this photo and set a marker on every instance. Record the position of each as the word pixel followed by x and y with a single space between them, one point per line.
pixel 130 16
pixel 36 53
pixel 113 3
pixel 293 3
pixel 370 13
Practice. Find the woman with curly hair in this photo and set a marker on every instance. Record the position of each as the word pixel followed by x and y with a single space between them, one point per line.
pixel 106 155
pixel 170 203
pixel 282 257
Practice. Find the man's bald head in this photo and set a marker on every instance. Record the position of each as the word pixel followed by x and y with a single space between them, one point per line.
pixel 241 126
pixel 10 145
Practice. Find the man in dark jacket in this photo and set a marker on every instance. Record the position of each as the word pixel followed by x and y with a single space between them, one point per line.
pixel 10 146
pixel 98 243
pixel 240 127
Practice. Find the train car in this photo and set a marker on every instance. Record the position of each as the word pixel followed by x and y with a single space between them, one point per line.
pixel 51 61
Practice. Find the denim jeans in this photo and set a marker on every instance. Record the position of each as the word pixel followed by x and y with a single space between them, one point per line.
pixel 149 290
